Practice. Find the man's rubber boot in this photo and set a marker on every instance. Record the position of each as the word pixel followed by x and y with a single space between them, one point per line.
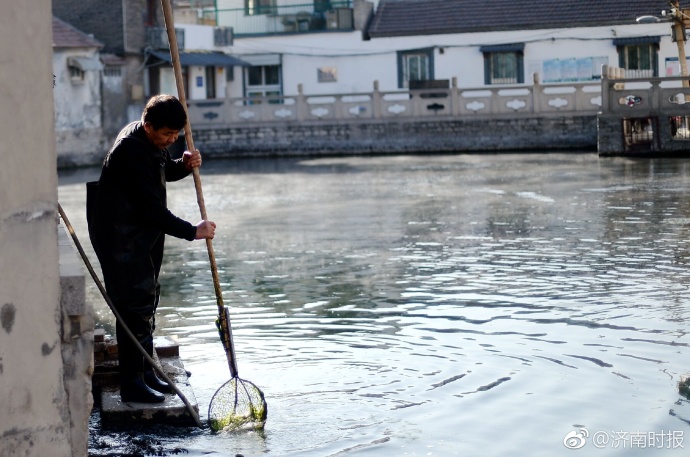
pixel 134 389
pixel 154 382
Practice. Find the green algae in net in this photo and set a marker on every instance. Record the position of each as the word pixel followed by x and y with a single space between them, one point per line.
pixel 237 404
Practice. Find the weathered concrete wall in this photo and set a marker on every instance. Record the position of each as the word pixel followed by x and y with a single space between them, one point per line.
pixel 77 106
pixel 449 135
pixel 35 395
pixel 79 147
pixel 77 343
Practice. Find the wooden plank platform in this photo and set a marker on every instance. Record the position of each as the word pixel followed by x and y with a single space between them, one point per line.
pixel 116 413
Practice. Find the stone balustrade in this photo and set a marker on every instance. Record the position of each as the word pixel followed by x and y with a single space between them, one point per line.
pixel 643 115
pixel 453 102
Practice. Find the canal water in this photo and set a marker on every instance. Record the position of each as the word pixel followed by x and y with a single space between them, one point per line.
pixel 474 305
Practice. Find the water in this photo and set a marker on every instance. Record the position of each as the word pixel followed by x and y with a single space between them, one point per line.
pixel 474 305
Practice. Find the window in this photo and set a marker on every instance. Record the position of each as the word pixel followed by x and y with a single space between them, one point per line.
pixel 256 7
pixel 76 74
pixel 638 133
pixel 263 81
pixel 680 127
pixel 504 64
pixel 638 55
pixel 417 65
pixel 640 59
pixel 150 14
pixel 112 72
pixel 210 82
pixel 77 66
pixel 222 36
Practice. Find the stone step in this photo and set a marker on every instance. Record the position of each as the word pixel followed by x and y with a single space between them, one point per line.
pixel 116 413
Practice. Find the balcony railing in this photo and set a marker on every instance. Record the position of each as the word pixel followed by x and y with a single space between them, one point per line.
pixel 303 18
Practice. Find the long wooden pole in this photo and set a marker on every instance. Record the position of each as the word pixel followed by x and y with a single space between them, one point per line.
pixel 175 59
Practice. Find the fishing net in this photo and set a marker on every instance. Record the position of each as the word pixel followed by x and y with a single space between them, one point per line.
pixel 237 404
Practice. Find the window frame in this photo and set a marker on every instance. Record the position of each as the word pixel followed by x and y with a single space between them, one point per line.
pixel 263 89
pixel 404 67
pixel 494 70
pixel 76 74
pixel 625 57
pixel 210 80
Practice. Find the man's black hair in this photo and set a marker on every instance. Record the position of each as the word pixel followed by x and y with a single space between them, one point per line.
pixel 164 111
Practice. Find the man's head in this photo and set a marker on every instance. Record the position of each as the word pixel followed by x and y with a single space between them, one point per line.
pixel 163 118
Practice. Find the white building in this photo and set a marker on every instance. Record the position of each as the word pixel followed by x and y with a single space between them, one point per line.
pixel 336 47
pixel 77 93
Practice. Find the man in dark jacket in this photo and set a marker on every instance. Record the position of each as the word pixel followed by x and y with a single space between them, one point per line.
pixel 128 220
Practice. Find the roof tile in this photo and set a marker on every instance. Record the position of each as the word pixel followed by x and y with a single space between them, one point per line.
pixel 429 17
pixel 67 36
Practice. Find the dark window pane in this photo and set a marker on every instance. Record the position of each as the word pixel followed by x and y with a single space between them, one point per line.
pixel 272 74
pixel 254 76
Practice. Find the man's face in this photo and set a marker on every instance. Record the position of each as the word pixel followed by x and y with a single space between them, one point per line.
pixel 161 138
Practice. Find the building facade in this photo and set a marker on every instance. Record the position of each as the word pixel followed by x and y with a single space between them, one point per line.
pixel 78 72
pixel 395 42
pixel 272 52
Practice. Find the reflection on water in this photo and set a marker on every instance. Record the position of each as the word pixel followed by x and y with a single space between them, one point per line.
pixel 435 305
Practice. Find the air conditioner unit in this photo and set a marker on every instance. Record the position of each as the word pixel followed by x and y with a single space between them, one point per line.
pixel 157 38
pixel 339 19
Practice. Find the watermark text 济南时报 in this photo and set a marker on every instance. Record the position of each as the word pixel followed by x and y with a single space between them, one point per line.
pixel 664 439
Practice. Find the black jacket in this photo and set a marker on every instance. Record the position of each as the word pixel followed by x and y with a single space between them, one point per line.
pixel 128 218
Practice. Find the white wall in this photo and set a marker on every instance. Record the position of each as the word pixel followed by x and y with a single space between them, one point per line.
pixel 197 37
pixel 358 63
pixel 35 420
pixel 77 104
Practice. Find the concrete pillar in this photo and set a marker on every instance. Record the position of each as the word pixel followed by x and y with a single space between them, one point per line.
pixel 34 399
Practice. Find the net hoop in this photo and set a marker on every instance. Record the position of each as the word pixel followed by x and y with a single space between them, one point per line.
pixel 237 404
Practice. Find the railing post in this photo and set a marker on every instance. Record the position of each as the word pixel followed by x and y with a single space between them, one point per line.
pixel 301 103
pixel 605 87
pixel 376 101
pixel 536 93
pixel 454 97
pixel 655 95
pixel 619 74
pixel 494 101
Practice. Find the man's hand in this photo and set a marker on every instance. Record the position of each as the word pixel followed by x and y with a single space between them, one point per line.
pixel 205 230
pixel 191 159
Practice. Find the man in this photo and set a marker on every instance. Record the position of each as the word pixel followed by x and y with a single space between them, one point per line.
pixel 128 219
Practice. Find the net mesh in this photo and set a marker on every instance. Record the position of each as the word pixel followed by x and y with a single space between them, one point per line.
pixel 237 404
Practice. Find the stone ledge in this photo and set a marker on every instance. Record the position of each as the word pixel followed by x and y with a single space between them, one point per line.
pixel 72 280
